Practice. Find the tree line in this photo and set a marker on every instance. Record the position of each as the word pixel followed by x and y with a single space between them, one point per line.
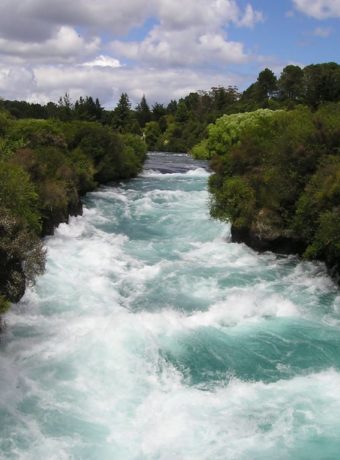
pixel 180 124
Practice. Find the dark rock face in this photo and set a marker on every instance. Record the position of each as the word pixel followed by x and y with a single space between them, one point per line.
pixel 53 218
pixel 12 277
pixel 278 243
pixel 22 257
pixel 13 252
pixel 268 232
pixel 76 208
pixel 334 271
pixel 15 247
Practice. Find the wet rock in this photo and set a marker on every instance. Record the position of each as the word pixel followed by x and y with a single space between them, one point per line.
pixel 268 233
pixel 54 217
pixel 12 278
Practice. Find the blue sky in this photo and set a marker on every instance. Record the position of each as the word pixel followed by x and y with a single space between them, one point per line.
pixel 287 34
pixel 161 48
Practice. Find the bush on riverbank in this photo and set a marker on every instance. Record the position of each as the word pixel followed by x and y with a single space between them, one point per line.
pixel 45 166
pixel 278 180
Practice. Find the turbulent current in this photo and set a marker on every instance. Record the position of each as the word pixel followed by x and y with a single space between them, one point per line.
pixel 152 336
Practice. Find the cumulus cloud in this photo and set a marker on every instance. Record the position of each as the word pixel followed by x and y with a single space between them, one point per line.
pixel 37 29
pixel 181 48
pixel 16 82
pixel 194 37
pixel 103 61
pixel 48 47
pixel 210 14
pixel 65 44
pixel 48 82
pixel 36 19
pixel 319 9
pixel 31 20
pixel 250 17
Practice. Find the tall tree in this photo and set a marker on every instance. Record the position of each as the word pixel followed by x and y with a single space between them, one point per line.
pixel 122 113
pixel 158 111
pixel 65 107
pixel 291 84
pixel 322 83
pixel 143 112
pixel 266 84
pixel 223 97
pixel 88 109
pixel 172 107
pixel 182 112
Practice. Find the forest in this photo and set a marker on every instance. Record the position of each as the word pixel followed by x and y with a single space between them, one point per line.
pixel 179 125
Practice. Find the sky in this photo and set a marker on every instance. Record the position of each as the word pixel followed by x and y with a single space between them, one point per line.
pixel 163 49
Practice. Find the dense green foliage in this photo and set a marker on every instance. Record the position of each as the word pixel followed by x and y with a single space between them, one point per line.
pixel 278 176
pixel 22 257
pixel 182 124
pixel 227 131
pixel 45 166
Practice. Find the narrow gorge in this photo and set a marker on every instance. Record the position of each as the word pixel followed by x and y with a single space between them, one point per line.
pixel 152 336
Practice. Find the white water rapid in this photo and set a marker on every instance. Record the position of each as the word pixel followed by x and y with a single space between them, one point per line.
pixel 152 337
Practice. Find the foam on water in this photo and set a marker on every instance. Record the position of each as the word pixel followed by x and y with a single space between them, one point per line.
pixel 152 336
pixel 197 172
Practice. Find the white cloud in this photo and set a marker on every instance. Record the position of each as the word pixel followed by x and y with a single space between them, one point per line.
pixel 196 36
pixel 214 46
pixel 48 82
pixel 182 48
pixel 55 31
pixel 16 82
pixel 200 13
pixel 250 17
pixel 65 44
pixel 103 61
pixel 30 20
pixel 48 47
pixel 319 9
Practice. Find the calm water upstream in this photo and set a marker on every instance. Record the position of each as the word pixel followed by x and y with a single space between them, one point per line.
pixel 151 336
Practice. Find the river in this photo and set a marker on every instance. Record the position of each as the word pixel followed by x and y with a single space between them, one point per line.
pixel 152 336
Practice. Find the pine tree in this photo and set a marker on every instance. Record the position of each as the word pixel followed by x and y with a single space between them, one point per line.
pixel 143 112
pixel 65 107
pixel 122 114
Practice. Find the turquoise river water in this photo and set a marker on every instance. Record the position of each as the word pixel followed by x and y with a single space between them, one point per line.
pixel 152 336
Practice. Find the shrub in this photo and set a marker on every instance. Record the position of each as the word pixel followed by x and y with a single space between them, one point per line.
pixel 22 256
pixel 200 150
pixel 37 133
pixel 284 166
pixel 4 306
pixel 18 194
pixel 234 201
